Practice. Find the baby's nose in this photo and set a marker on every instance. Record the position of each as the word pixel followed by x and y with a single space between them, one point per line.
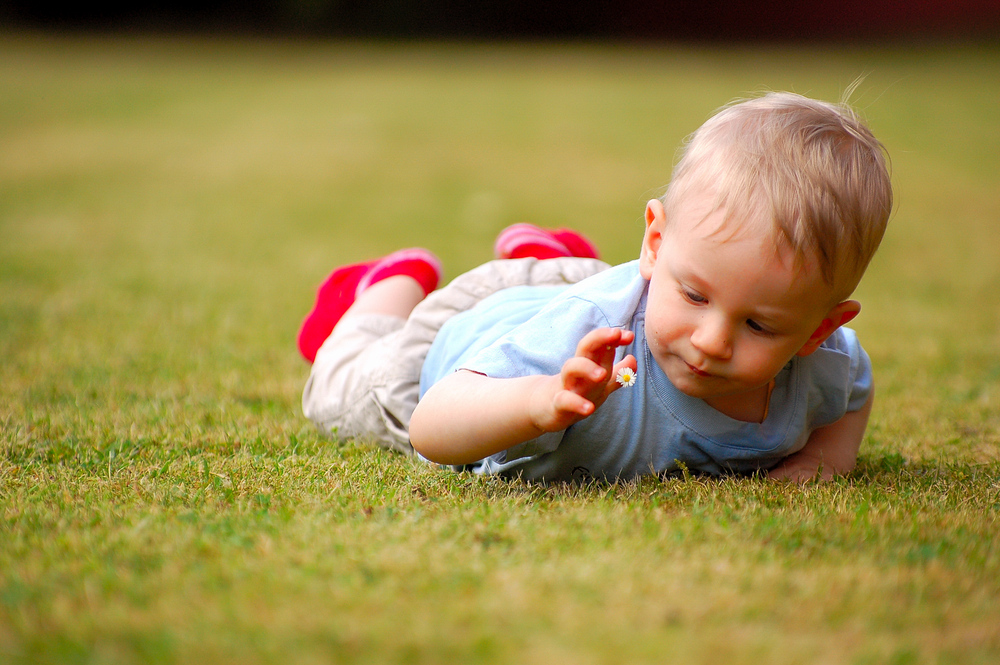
pixel 712 337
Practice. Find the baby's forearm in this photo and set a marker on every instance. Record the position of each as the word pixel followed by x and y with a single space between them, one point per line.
pixel 466 417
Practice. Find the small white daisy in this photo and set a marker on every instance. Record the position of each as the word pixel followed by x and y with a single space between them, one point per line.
pixel 626 377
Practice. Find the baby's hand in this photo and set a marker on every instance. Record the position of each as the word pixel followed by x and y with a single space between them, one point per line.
pixel 584 383
pixel 800 469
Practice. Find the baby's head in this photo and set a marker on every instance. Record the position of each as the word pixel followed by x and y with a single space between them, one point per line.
pixel 808 172
pixel 774 211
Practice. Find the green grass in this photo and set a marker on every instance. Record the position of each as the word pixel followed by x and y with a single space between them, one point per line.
pixel 167 207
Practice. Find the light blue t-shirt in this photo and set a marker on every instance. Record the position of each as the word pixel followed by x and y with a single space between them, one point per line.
pixel 651 427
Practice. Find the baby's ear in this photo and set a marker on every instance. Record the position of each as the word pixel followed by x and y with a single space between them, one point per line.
pixel 655 222
pixel 836 317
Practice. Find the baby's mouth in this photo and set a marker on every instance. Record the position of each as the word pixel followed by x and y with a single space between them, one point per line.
pixel 696 371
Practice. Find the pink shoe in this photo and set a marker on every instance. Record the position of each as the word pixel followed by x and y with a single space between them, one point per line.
pixel 523 240
pixel 416 262
pixel 577 243
pixel 333 297
pixel 339 291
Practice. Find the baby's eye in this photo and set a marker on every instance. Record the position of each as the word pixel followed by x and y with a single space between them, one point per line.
pixel 695 298
pixel 759 329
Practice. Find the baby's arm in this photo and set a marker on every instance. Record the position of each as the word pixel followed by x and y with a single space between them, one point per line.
pixel 832 449
pixel 467 416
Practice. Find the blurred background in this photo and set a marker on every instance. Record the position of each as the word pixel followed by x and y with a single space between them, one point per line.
pixel 640 19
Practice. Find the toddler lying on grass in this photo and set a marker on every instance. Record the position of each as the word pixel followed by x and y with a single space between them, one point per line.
pixel 720 348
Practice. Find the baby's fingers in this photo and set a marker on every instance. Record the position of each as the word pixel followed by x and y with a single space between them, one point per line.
pixel 601 345
pixel 571 406
pixel 582 374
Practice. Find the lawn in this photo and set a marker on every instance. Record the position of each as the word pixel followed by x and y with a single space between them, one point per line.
pixel 167 207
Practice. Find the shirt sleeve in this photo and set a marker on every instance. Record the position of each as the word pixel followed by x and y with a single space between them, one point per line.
pixel 862 382
pixel 840 378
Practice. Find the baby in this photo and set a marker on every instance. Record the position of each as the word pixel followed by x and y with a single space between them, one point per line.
pixel 720 349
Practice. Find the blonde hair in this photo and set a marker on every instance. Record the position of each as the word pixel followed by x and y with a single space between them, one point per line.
pixel 810 168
